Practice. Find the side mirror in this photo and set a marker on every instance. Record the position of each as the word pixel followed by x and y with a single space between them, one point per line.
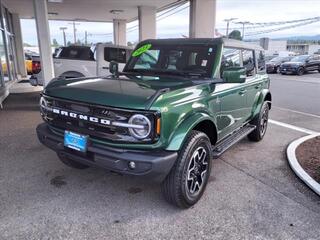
pixel 234 75
pixel 114 68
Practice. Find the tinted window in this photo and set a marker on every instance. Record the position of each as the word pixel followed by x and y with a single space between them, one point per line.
pixel 261 60
pixel 248 62
pixel 76 53
pixel 115 54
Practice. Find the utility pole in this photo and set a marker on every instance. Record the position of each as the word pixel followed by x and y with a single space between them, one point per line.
pixel 243 25
pixel 74 31
pixel 85 37
pixel 228 22
pixel 64 35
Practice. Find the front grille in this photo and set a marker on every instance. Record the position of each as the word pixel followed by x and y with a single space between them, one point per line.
pixel 95 130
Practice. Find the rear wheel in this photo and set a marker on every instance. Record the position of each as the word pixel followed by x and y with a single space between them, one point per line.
pixel 261 123
pixel 188 178
pixel 71 163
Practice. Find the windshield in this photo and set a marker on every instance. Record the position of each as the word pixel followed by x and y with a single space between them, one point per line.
pixel 299 58
pixel 188 60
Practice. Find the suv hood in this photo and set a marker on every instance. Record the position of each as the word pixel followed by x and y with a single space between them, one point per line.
pixel 293 63
pixel 121 92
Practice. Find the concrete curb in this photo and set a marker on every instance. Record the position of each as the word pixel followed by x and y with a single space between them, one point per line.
pixel 296 167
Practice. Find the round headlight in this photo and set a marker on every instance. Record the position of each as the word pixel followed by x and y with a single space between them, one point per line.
pixel 141 126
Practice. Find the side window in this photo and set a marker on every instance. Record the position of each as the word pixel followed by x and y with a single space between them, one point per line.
pixel 230 58
pixel 248 62
pixel 261 61
pixel 115 54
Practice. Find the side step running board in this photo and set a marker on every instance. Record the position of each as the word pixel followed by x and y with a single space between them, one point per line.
pixel 235 137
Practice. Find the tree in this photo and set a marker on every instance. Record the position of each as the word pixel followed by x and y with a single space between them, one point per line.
pixel 55 42
pixel 69 43
pixel 235 34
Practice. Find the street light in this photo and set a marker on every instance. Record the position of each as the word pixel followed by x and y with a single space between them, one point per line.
pixel 64 35
pixel 228 22
pixel 74 31
pixel 243 25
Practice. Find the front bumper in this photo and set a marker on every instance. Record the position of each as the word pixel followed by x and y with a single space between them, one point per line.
pixel 154 164
pixel 288 70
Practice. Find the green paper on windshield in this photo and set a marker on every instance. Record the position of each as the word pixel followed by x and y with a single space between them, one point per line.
pixel 141 50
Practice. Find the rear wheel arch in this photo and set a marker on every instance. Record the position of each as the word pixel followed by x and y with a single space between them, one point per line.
pixel 264 95
pixel 268 98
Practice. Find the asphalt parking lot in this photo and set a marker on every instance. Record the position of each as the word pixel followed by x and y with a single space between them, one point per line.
pixel 252 193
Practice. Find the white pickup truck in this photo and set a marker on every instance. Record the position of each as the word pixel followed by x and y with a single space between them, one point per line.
pixel 83 61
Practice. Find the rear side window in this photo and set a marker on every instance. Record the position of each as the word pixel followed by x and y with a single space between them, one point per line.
pixel 248 62
pixel 261 61
pixel 76 53
pixel 115 54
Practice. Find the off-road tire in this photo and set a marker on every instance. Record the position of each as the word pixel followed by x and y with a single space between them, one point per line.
pixel 175 187
pixel 71 163
pixel 300 71
pixel 261 126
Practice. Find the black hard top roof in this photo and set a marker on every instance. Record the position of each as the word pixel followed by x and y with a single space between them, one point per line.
pixel 205 41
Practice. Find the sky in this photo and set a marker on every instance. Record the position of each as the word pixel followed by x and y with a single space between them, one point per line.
pixel 177 25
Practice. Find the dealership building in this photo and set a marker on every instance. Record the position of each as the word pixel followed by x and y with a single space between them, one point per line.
pixel 201 24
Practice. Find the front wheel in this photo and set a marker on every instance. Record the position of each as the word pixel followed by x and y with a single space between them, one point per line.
pixel 188 178
pixel 300 71
pixel 261 123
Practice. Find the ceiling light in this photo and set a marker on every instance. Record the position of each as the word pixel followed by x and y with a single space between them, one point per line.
pixel 116 11
pixel 55 1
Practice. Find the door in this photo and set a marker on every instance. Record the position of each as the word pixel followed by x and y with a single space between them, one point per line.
pixel 253 82
pixel 232 96
pixel 312 63
pixel 106 54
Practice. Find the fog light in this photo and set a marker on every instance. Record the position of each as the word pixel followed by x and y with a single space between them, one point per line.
pixel 132 165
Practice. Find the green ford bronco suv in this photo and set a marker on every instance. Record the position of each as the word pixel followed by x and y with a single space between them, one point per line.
pixel 178 104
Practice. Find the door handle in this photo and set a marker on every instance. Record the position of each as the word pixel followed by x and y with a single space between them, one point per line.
pixel 242 92
pixel 105 67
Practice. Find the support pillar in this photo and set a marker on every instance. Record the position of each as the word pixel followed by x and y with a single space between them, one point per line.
pixel 147 22
pixel 120 32
pixel 21 66
pixel 43 31
pixel 202 18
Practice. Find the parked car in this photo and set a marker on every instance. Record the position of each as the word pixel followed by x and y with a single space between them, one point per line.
pixel 83 61
pixel 178 104
pixel 28 63
pixel 28 60
pixel 273 66
pixel 301 64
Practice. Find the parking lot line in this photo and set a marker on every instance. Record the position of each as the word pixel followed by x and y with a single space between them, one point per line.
pixel 286 125
pixel 294 111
